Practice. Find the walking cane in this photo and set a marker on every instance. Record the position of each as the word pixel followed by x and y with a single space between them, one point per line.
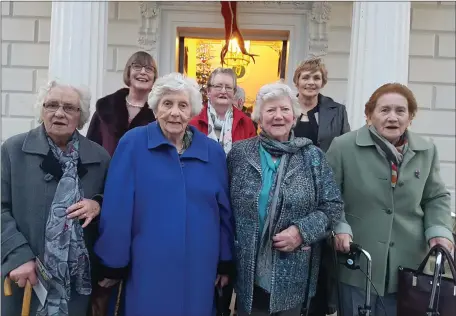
pixel 27 295
pixel 119 295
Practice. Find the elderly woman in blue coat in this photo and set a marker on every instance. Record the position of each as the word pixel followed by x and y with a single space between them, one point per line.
pixel 167 222
pixel 284 200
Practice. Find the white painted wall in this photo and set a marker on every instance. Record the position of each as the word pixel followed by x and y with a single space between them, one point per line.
pixel 25 51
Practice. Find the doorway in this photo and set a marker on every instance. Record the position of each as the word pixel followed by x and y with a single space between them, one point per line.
pixel 199 55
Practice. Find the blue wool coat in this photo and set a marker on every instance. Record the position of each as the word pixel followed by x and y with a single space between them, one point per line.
pixel 168 219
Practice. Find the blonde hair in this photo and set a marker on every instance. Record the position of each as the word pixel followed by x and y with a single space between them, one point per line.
pixel 313 65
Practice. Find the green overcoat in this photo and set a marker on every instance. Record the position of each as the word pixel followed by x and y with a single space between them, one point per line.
pixel 393 225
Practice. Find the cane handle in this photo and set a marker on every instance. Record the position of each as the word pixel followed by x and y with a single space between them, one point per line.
pixel 27 299
pixel 7 287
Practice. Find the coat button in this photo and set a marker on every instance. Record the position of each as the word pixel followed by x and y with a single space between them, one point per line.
pixel 288 206
pixel 388 211
pixel 182 164
pixel 401 183
pixel 392 244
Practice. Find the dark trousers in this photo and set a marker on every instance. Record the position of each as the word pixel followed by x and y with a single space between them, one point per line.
pixel 324 301
pixel 223 301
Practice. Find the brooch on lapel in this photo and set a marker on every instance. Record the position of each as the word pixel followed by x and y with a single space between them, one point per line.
pixel 417 173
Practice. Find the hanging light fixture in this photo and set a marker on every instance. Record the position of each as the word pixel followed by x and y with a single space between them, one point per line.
pixel 234 56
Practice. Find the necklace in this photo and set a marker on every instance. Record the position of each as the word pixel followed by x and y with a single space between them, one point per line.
pixel 133 105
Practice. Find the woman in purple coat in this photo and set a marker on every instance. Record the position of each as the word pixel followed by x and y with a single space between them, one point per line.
pixel 166 221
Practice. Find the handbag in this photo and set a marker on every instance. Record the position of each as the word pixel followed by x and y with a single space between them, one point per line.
pixel 415 288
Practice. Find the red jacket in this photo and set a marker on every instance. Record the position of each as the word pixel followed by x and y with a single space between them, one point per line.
pixel 243 127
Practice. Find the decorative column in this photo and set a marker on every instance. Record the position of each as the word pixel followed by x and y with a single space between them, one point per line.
pixel 78 45
pixel 318 28
pixel 379 52
pixel 149 30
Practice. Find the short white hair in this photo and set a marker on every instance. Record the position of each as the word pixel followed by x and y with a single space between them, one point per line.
pixel 273 91
pixel 84 100
pixel 240 94
pixel 174 82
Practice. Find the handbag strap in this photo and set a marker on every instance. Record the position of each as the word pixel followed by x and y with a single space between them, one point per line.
pixel 446 254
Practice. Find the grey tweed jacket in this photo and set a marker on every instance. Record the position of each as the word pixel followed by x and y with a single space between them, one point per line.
pixel 310 200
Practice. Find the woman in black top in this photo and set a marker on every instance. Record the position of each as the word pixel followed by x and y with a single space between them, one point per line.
pixel 321 120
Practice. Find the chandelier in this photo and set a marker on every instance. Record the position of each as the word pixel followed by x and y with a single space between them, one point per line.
pixel 234 57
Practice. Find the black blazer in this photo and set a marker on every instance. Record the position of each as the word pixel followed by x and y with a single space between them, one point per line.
pixel 332 121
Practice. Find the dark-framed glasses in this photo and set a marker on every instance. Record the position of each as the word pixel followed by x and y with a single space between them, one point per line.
pixel 139 67
pixel 67 108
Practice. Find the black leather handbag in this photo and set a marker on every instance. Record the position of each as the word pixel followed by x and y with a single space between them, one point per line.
pixel 420 294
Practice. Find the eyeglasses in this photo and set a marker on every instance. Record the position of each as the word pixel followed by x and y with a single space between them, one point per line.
pixel 219 87
pixel 67 108
pixel 138 67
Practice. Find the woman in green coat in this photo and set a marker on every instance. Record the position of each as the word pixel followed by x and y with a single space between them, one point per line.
pixel 396 204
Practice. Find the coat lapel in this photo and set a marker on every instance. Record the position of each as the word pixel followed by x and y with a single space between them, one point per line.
pixel 36 143
pixel 327 113
pixel 254 160
pixel 416 143
pixel 198 149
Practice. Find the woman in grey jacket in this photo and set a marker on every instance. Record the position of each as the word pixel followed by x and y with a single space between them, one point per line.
pixel 284 200
pixel 52 181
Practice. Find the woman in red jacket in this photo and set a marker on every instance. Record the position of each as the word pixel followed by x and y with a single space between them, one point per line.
pixel 219 119
pixel 226 124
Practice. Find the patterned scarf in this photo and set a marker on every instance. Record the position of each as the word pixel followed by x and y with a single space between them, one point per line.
pixel 263 271
pixel 393 153
pixel 276 148
pixel 224 126
pixel 66 258
pixel 187 140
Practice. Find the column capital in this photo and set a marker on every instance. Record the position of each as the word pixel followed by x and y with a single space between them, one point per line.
pixel 318 21
pixel 149 31
pixel 379 52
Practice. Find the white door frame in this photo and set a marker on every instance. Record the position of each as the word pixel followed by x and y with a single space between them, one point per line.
pixel 293 17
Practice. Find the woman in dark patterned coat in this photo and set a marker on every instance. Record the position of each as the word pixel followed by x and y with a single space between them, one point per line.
pixel 284 200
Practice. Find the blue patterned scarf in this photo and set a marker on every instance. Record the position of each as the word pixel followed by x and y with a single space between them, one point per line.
pixel 66 258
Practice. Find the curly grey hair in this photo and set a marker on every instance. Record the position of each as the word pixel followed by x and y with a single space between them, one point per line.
pixel 274 91
pixel 84 100
pixel 176 82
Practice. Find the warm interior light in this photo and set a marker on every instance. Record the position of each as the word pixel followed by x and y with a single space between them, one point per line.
pixel 234 57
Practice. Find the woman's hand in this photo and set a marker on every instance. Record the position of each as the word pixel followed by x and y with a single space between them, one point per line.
pixel 107 283
pixel 88 209
pixel 221 281
pixel 343 242
pixel 288 239
pixel 25 272
pixel 443 242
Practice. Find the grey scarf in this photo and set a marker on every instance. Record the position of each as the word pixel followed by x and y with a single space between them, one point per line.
pixel 265 248
pixel 66 258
